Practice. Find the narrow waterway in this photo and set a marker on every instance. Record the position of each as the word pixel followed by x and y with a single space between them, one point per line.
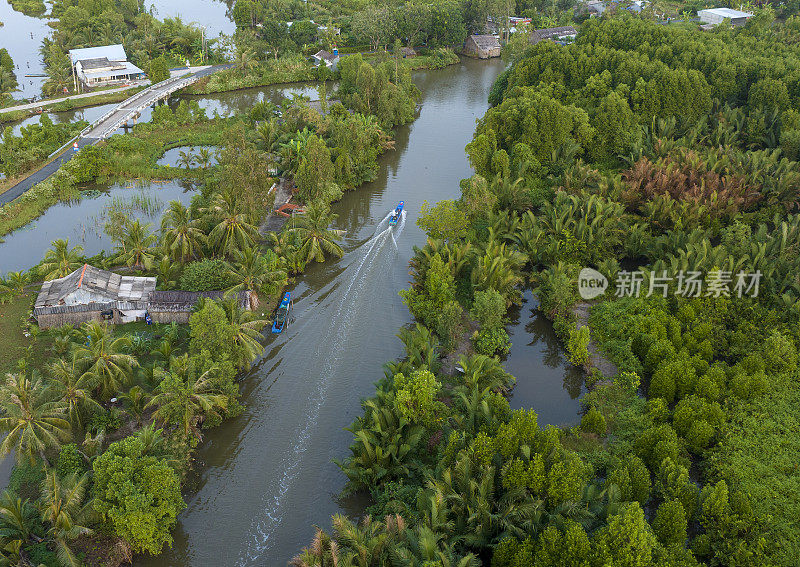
pixel 267 477
pixel 22 36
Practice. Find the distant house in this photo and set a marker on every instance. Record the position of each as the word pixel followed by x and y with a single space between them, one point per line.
pixel 99 66
pixel 564 34
pixel 408 52
pixel 482 46
pixel 330 60
pixel 92 294
pixel 715 16
pixel 595 7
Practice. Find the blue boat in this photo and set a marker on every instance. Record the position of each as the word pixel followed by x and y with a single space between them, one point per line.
pixel 396 214
pixel 282 313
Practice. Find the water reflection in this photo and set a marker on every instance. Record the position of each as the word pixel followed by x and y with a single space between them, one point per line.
pixel 546 381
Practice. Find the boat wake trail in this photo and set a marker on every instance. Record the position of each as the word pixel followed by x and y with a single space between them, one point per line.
pixel 340 310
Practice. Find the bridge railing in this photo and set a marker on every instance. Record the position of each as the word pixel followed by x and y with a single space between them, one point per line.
pixel 141 94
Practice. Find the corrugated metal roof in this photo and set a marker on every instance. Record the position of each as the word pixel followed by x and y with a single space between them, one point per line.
pixel 97 282
pixel 127 68
pixel 111 52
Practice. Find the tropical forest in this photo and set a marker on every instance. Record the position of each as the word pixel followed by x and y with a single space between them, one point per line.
pixel 437 283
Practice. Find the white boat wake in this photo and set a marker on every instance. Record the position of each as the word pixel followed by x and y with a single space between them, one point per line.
pixel 340 312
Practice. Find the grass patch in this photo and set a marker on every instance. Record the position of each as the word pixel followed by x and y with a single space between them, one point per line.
pixel 284 70
pixel 435 59
pixel 14 343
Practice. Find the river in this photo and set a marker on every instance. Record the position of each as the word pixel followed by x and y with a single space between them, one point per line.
pixel 267 477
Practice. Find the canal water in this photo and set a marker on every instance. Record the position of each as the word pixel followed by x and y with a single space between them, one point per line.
pixel 539 362
pixel 22 36
pixel 267 477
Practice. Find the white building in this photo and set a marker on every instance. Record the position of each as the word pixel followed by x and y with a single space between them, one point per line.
pixel 716 15
pixel 330 60
pixel 104 65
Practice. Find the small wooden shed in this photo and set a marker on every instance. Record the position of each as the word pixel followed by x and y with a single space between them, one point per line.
pixel 482 46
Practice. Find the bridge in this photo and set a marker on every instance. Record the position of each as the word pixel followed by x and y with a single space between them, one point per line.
pixel 108 124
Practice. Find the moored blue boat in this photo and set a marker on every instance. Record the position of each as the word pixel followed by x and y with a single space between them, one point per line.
pixel 282 313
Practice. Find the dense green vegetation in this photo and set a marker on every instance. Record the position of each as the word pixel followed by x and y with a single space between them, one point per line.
pixel 662 149
pixel 93 474
pixel 34 143
pixel 8 79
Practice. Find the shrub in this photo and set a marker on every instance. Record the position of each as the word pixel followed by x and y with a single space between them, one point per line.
pixel 105 421
pixel 69 461
pixel 492 341
pixel 593 422
pixel 670 523
pixel 780 354
pixel 138 493
pixel 489 308
pixel 416 397
pixel 206 275
pixel 578 346
pixel 628 381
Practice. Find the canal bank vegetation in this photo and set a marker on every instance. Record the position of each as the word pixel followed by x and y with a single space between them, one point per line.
pixel 104 420
pixel 663 150
pixel 19 154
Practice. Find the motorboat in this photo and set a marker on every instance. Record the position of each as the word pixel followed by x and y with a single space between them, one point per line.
pixel 396 214
pixel 282 313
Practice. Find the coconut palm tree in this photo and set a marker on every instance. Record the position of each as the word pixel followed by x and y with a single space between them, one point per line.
pixel 232 231
pixel 186 159
pixel 135 245
pixel 17 282
pixel 75 389
pixel 184 396
pixel 257 273
pixel 247 328
pixel 17 517
pixel 203 157
pixel 317 239
pixel 102 357
pixel 63 508
pixel 245 61
pixel 180 235
pixel 33 418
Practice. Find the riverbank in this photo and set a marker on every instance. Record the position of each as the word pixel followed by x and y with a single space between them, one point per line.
pixel 296 70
